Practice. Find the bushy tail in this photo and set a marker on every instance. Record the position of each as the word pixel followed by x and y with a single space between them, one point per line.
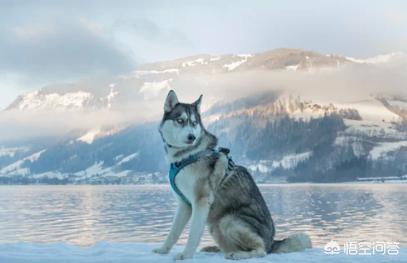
pixel 293 243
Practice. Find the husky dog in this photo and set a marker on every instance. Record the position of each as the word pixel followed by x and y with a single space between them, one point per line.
pixel 212 192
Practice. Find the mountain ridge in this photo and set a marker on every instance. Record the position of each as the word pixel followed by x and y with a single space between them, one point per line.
pixel 273 130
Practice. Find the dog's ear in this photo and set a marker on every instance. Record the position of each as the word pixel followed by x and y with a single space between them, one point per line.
pixel 170 101
pixel 197 104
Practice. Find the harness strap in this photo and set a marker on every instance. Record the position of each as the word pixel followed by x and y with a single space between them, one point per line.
pixel 176 167
pixel 174 170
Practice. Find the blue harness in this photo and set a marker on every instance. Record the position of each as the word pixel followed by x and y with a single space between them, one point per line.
pixel 176 167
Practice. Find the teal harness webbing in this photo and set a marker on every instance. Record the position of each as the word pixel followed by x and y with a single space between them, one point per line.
pixel 176 167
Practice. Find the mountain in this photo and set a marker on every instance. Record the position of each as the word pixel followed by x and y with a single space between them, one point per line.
pixel 286 114
pixel 150 80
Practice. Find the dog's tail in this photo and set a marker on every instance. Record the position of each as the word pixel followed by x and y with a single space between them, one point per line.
pixel 293 243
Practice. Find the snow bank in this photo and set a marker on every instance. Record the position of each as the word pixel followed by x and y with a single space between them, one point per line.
pixel 236 64
pixel 289 161
pixel 377 59
pixel 41 101
pixel 123 252
pixel 11 152
pixel 153 89
pixel 90 136
pixel 383 148
pixel 17 167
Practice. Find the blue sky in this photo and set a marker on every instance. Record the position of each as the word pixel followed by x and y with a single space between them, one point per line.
pixel 43 42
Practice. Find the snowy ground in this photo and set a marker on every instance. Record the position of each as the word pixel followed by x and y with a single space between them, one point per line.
pixel 120 253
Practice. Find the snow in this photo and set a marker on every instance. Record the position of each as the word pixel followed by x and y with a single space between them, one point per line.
pixel 129 158
pixel 118 157
pixel 376 119
pixel 154 72
pixel 353 141
pixel 297 108
pixel 377 59
pixel 262 167
pixel 292 160
pixel 35 156
pixel 98 170
pixel 290 104
pixel 234 65
pixel 191 63
pixel 53 174
pixel 90 136
pixel 398 103
pixel 95 169
pixel 12 151
pixel 153 89
pixel 371 110
pixel 381 149
pixel 141 252
pixel 38 101
pixel 16 167
pixel 289 161
pixel 244 55
pixel 292 67
pixel 374 114
pixel 112 94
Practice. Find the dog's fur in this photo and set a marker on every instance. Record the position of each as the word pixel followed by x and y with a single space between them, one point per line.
pixel 227 200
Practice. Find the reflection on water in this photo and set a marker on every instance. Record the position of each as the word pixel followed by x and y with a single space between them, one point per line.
pixel 87 214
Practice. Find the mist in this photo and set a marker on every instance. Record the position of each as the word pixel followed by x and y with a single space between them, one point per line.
pixel 348 83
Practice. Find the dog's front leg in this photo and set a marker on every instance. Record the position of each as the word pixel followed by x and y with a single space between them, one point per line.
pixel 180 220
pixel 200 210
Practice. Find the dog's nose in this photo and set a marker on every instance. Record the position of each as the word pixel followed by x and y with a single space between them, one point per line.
pixel 191 137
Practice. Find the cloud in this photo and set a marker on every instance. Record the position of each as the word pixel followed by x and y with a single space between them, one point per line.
pixel 349 83
pixel 17 126
pixel 151 40
pixel 42 42
pixel 56 50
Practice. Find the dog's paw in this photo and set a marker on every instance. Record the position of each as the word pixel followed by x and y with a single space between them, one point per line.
pixel 245 254
pixel 182 256
pixel 210 249
pixel 161 250
pixel 237 255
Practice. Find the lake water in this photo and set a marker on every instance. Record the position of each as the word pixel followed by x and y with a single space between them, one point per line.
pixel 85 215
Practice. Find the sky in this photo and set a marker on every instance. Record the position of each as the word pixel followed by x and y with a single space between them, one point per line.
pixel 54 41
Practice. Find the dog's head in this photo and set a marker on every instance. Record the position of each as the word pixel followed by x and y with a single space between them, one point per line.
pixel 181 125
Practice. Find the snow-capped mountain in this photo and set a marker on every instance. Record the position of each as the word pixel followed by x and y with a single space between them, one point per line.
pixel 298 114
pixel 67 101
pixel 151 79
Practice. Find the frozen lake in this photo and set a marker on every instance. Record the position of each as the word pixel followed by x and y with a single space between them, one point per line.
pixel 85 215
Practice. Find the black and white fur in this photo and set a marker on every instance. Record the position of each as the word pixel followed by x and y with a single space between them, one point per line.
pixel 228 201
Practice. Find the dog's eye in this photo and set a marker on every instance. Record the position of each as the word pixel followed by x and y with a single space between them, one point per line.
pixel 194 123
pixel 180 121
